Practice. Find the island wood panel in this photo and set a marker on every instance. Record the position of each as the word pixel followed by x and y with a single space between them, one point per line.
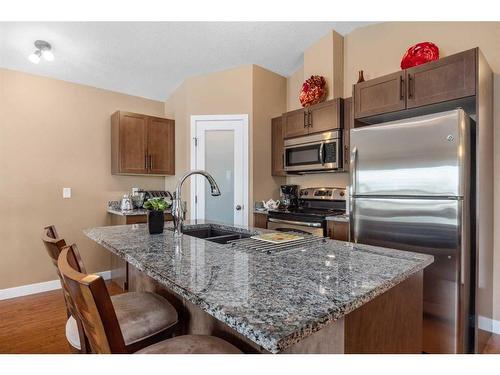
pixel 390 323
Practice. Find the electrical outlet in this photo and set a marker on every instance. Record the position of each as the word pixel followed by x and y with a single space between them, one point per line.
pixel 66 192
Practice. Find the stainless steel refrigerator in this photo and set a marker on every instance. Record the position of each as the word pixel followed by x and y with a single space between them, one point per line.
pixel 410 190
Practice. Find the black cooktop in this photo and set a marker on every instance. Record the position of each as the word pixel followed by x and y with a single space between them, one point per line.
pixel 319 213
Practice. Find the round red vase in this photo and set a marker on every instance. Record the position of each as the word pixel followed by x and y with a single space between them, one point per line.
pixel 420 53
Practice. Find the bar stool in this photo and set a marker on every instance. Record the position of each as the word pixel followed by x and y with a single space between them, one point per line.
pixel 101 320
pixel 144 318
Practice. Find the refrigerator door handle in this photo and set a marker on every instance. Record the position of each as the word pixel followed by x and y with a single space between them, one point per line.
pixel 354 165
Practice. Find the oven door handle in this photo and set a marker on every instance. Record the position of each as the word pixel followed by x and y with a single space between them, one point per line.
pixel 299 223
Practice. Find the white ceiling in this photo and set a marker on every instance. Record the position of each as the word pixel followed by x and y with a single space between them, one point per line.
pixel 151 59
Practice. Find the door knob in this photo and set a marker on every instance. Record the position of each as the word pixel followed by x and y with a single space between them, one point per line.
pixel 238 207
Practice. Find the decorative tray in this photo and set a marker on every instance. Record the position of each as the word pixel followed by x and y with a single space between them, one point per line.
pixel 277 237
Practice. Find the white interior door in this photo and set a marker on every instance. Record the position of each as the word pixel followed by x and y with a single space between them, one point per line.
pixel 220 147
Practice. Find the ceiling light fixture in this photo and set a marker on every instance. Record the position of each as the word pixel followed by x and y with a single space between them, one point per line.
pixel 43 49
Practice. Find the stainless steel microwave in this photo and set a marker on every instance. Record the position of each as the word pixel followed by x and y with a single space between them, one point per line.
pixel 314 153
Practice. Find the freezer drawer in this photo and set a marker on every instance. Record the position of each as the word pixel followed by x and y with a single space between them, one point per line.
pixel 422 156
pixel 433 227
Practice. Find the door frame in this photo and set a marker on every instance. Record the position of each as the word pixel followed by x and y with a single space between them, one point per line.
pixel 243 118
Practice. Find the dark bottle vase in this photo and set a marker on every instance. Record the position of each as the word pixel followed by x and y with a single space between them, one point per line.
pixel 155 222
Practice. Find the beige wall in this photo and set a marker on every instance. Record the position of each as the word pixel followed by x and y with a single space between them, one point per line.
pixel 55 134
pixel 248 90
pixel 326 58
pixel 269 100
pixel 293 87
pixel 224 92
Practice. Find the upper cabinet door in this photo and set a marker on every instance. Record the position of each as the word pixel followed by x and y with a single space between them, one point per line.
pixel 325 116
pixel 449 78
pixel 161 146
pixel 132 130
pixel 295 123
pixel 380 95
pixel 277 160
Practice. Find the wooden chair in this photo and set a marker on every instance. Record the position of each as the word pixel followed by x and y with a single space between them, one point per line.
pixel 145 318
pixel 101 323
pixel 74 328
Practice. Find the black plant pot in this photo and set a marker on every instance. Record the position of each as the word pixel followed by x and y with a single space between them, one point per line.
pixel 155 222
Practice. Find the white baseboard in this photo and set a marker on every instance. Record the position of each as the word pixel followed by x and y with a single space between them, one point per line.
pixel 25 290
pixel 487 324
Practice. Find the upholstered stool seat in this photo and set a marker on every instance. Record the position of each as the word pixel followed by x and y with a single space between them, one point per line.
pixel 140 315
pixel 191 344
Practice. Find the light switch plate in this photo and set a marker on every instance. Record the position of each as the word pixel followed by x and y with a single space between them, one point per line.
pixel 66 192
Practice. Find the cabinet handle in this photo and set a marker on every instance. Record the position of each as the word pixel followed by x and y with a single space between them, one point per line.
pixel 401 88
pixel 410 93
pixel 150 162
pixel 309 121
pixel 305 119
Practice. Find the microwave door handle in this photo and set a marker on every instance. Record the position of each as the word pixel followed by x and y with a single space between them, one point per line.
pixel 321 153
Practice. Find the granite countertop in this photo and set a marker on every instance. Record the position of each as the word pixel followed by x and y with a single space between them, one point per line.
pixel 114 208
pixel 263 212
pixel 275 300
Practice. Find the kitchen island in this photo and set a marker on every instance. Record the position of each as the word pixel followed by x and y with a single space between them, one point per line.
pixel 326 297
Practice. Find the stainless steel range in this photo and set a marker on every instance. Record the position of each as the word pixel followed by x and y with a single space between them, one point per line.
pixel 315 205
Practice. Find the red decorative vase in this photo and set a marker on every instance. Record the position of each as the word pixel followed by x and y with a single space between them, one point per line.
pixel 313 91
pixel 419 54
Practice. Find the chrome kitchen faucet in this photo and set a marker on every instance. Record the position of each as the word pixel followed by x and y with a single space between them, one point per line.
pixel 178 209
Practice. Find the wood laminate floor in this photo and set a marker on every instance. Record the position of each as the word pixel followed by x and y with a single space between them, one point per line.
pixel 36 324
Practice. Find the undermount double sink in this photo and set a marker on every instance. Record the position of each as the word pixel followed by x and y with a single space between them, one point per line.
pixel 213 233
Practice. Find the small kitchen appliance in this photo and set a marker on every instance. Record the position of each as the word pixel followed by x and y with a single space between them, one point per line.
pixel 289 195
pixel 314 153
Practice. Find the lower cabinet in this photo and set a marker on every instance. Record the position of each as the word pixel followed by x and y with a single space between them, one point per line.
pixel 260 220
pixel 338 230
pixel 119 268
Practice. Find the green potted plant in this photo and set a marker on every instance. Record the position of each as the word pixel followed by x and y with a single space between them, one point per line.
pixel 156 210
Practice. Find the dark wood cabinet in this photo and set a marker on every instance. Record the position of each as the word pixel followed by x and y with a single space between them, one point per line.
pixel 260 220
pixel 447 79
pixel 295 123
pixel 142 144
pixel 450 78
pixel 338 230
pixel 161 146
pixel 317 118
pixel 380 95
pixel 277 149
pixel 325 116
pixel 348 121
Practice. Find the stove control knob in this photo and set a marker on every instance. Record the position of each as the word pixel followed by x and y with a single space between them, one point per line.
pixel 342 193
pixel 306 192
